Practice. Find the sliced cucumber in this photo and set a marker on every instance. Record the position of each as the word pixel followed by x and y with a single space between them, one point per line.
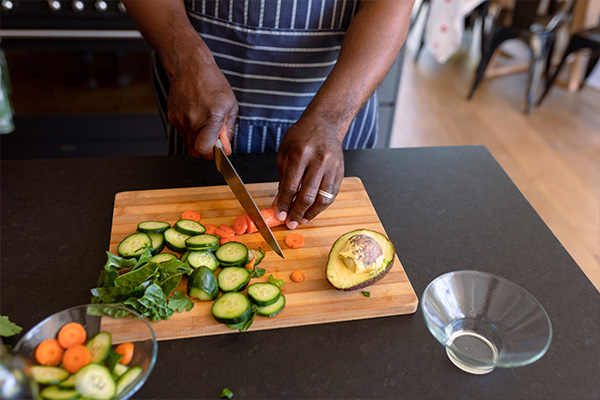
pixel 264 294
pixel 197 259
pixel 189 227
pixel 184 257
pixel 153 226
pixel 99 346
pixel 259 254
pixel 232 254
pixel 273 309
pixel 158 242
pixel 232 308
pixel 175 240
pixel 56 393
pixel 119 369
pixel 130 377
pixel 95 381
pixel 205 242
pixel 162 257
pixel 134 245
pixel 48 375
pixel 233 279
pixel 68 383
pixel 202 284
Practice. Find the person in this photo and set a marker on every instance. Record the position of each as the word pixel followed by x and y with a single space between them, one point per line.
pixel 294 76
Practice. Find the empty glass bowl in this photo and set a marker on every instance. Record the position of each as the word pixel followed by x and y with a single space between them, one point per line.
pixel 485 321
pixel 96 318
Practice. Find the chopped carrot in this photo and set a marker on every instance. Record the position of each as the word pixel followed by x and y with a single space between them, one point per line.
pixel 126 350
pixel 191 214
pixel 49 352
pixel 71 334
pixel 210 229
pixel 270 216
pixel 76 357
pixel 250 264
pixel 297 276
pixel 251 227
pixel 229 239
pixel 294 240
pixel 224 231
pixel 240 224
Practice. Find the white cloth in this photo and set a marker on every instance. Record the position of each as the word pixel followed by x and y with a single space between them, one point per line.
pixel 445 26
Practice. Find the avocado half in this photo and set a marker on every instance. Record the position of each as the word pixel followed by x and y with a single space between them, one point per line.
pixel 358 259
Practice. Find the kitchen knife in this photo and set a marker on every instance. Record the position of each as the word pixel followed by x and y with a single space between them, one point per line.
pixel 241 193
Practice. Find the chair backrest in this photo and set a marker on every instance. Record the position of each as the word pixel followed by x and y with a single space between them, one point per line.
pixel 524 13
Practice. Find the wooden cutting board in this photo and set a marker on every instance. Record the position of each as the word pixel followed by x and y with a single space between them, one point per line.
pixel 313 301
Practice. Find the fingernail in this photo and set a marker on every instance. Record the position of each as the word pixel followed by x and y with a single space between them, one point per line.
pixel 303 221
pixel 292 225
pixel 282 216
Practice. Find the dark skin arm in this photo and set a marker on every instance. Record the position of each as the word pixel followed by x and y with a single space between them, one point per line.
pixel 310 157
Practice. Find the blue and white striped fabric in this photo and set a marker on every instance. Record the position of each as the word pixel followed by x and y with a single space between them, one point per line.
pixel 275 54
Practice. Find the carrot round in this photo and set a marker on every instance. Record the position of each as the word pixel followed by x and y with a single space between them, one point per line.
pixel 71 334
pixel 49 352
pixel 126 350
pixel 224 231
pixel 76 357
pixel 210 229
pixel 294 240
pixel 297 276
pixel 229 239
pixel 191 214
pixel 240 224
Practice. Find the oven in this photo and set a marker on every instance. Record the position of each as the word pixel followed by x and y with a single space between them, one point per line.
pixel 79 81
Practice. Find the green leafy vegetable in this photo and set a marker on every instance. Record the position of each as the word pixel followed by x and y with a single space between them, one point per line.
pixel 366 294
pixel 226 393
pixel 112 359
pixel 178 302
pixel 244 325
pixel 8 328
pixel 275 281
pixel 257 272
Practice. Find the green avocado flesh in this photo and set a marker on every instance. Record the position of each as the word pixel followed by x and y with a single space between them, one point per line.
pixel 358 259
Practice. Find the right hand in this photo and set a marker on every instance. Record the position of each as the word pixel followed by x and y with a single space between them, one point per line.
pixel 202 107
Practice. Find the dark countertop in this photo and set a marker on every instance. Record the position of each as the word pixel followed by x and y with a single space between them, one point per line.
pixel 444 209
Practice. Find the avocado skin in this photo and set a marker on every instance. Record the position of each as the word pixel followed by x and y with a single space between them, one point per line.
pixel 368 282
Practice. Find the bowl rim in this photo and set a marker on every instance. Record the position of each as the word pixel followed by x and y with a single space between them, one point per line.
pixel 504 281
pixel 134 313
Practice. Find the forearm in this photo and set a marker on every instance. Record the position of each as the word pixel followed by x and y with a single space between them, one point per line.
pixel 165 25
pixel 372 42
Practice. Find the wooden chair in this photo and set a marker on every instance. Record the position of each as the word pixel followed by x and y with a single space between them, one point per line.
pixel 538 32
pixel 585 39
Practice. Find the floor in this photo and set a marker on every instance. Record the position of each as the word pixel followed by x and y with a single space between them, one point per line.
pixel 552 155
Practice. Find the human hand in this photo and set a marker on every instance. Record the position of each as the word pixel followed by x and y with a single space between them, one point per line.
pixel 202 107
pixel 310 159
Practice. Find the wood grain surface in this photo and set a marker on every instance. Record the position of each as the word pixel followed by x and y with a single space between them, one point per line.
pixel 313 301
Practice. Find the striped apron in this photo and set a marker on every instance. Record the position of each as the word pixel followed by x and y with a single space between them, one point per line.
pixel 275 54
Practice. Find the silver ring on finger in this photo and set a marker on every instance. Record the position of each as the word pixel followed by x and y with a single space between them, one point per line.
pixel 325 194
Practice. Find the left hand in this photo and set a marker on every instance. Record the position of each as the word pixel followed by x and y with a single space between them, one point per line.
pixel 310 158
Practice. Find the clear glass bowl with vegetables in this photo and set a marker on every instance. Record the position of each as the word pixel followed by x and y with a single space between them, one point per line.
pixel 74 354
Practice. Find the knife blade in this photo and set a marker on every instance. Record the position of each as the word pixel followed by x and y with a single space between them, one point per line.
pixel 238 188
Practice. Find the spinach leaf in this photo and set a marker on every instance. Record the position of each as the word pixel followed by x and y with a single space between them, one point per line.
pixel 112 358
pixel 275 281
pixel 137 276
pixel 170 283
pixel 258 272
pixel 244 325
pixel 226 393
pixel 8 328
pixel 366 294
pixel 178 302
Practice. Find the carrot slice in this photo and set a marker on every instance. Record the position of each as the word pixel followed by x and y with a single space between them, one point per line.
pixel 270 216
pixel 71 334
pixel 297 276
pixel 76 357
pixel 191 214
pixel 229 239
pixel 210 229
pixel 126 350
pixel 224 231
pixel 251 227
pixel 250 264
pixel 294 240
pixel 49 352
pixel 240 224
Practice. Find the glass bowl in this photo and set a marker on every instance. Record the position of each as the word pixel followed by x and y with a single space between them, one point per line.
pixel 123 324
pixel 485 321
